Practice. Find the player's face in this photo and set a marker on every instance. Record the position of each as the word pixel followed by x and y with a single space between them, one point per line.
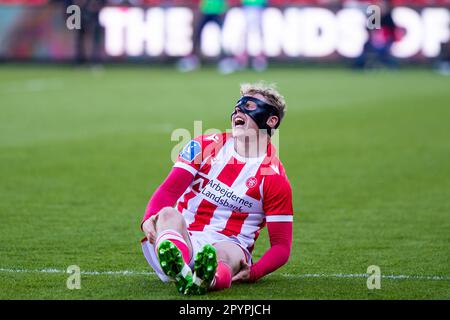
pixel 242 124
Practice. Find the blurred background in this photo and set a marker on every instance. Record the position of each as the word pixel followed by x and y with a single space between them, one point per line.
pixel 235 34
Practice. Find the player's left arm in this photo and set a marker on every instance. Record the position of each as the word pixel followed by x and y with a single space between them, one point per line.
pixel 280 234
pixel 279 217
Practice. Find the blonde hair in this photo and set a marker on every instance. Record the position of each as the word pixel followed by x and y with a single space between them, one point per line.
pixel 269 92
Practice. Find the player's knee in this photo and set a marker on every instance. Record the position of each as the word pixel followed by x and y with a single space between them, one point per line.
pixel 167 215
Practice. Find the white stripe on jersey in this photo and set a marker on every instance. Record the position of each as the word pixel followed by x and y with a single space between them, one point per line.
pixel 217 166
pixel 224 156
pixel 189 217
pixel 219 222
pixel 221 159
pixel 185 167
pixel 280 218
pixel 252 222
pixel 249 228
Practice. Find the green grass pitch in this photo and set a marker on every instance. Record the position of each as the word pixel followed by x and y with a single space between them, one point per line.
pixel 367 154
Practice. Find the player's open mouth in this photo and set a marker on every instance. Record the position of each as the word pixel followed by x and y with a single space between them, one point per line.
pixel 238 121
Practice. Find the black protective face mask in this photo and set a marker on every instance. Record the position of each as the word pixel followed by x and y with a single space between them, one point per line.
pixel 261 114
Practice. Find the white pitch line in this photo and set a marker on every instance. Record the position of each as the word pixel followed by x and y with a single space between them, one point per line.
pixel 90 273
pixel 287 275
pixel 363 275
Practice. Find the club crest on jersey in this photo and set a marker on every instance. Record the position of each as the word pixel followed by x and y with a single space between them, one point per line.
pixel 191 150
pixel 251 182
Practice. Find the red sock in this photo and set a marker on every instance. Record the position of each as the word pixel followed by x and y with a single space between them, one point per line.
pixel 182 246
pixel 177 240
pixel 222 279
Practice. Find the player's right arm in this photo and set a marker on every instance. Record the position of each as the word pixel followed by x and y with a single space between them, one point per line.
pixel 173 187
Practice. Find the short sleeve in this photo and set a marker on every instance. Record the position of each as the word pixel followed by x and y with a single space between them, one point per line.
pixel 277 199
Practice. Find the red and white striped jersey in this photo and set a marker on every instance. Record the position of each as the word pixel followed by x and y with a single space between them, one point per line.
pixel 230 194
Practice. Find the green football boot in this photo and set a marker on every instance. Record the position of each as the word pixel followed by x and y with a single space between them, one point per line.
pixel 173 265
pixel 204 271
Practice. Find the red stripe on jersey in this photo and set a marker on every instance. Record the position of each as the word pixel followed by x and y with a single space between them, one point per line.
pixel 231 171
pixel 260 226
pixel 206 167
pixel 254 191
pixel 203 216
pixel 234 224
pixel 199 183
pixel 211 150
pixel 183 204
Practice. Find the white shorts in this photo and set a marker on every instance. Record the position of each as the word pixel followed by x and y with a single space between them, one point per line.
pixel 198 240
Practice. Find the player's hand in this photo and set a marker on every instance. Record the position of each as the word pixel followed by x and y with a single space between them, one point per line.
pixel 244 273
pixel 149 228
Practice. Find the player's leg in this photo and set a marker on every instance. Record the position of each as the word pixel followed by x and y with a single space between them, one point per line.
pixel 170 220
pixel 173 247
pixel 230 254
pixel 229 257
pixel 205 267
pixel 215 266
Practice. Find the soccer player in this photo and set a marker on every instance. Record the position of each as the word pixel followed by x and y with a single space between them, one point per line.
pixel 202 223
